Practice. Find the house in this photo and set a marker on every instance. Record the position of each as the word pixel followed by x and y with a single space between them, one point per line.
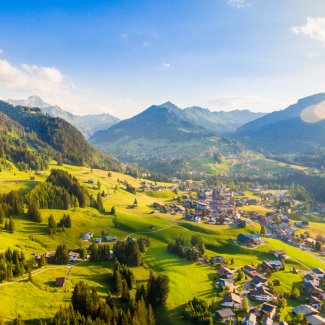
pixel 259 280
pixel 226 315
pixel 249 270
pixel 319 272
pixel 261 294
pixel 271 265
pixel 200 205
pixel 250 319
pixel 91 181
pixel 268 310
pixel 315 320
pixel 315 302
pixel 60 282
pixel 279 253
pixel 284 219
pixel 98 240
pixel 229 283
pixel 224 272
pixel 312 278
pixel 267 321
pixel 311 289
pixel 73 256
pixel 249 239
pixel 305 310
pixel 232 300
pixel 218 259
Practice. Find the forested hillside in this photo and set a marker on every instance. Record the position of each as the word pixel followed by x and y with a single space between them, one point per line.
pixel 67 143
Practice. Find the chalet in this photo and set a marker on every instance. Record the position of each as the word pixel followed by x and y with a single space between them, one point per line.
pixel 250 270
pixel 305 310
pixel 224 272
pixel 319 272
pixel 311 289
pixel 60 282
pixel 232 300
pixel 312 278
pixel 261 294
pixel 226 315
pixel 268 310
pixel 271 265
pixel 279 253
pixel 98 240
pixel 259 280
pixel 250 319
pixel 315 320
pixel 315 302
pixel 218 259
pixel 267 321
pixel 73 256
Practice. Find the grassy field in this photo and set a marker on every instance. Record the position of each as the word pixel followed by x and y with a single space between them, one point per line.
pixel 186 279
pixel 256 208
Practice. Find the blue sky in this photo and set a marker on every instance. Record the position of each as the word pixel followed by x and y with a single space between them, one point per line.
pixel 123 56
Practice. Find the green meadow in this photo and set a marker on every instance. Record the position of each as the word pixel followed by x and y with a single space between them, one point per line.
pixel 42 298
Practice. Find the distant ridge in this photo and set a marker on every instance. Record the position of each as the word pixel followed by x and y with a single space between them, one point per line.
pixel 86 124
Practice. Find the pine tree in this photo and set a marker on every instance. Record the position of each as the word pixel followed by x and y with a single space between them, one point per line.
pixel 34 212
pixel 11 225
pixel 117 282
pixel 52 225
pixel 125 291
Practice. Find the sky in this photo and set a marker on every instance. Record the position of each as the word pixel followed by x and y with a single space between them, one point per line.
pixel 121 56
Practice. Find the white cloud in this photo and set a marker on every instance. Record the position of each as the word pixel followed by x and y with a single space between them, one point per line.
pixel 238 3
pixel 312 54
pixel 167 65
pixel 46 82
pixel 313 28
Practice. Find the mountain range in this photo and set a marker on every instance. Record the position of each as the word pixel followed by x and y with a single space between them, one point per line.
pixel 285 131
pixel 86 124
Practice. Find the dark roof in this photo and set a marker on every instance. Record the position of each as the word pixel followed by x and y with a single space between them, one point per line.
pixel 228 297
pixel 267 307
pixel 60 282
pixel 258 279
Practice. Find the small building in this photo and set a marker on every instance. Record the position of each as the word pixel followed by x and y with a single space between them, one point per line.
pixel 229 283
pixel 218 259
pixel 279 253
pixel 268 310
pixel 98 240
pixel 224 272
pixel 302 224
pixel 319 272
pixel 271 265
pixel 73 256
pixel 91 181
pixel 259 280
pixel 312 278
pixel 267 321
pixel 60 282
pixel 226 315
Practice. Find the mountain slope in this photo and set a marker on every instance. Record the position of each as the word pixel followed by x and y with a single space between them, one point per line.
pixel 86 124
pixel 67 143
pixel 220 122
pixel 284 131
pixel 162 139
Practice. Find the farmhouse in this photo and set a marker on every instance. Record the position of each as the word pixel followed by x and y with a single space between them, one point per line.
pixel 87 236
pixel 249 240
pixel 218 259
pixel 226 315
pixel 259 280
pixel 279 253
pixel 232 300
pixel 229 283
pixel 73 256
pixel 271 265
pixel 311 289
pixel 315 302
